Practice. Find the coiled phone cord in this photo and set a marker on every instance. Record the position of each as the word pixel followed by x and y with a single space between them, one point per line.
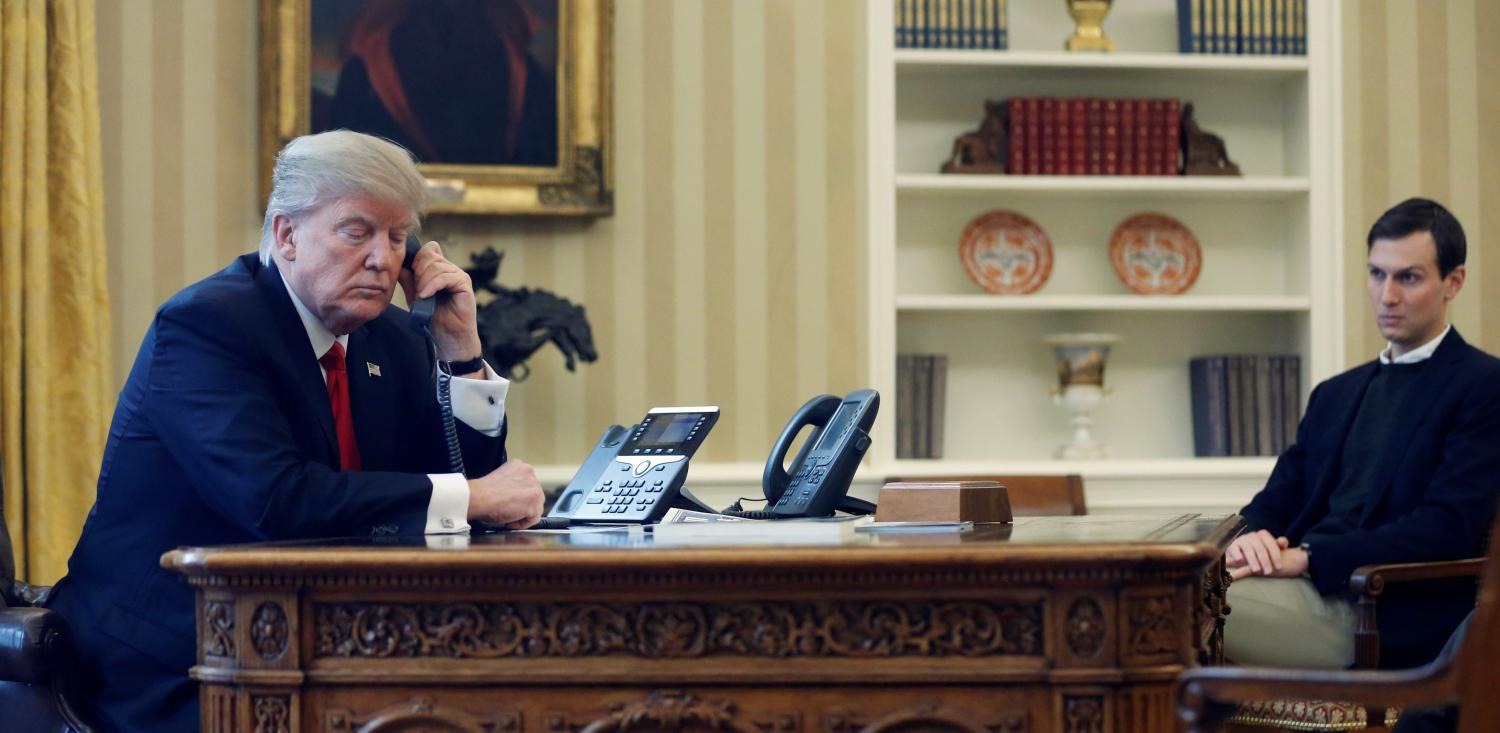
pixel 450 430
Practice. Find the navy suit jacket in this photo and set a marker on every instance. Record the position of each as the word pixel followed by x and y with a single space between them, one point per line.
pixel 224 434
pixel 1439 477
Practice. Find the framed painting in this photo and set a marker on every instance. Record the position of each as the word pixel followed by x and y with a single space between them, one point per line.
pixel 505 103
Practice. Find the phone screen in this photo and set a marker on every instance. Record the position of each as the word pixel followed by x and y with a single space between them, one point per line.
pixel 840 422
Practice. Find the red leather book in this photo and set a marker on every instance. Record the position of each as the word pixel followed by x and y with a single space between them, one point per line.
pixel 1172 136
pixel 1015 141
pixel 1127 137
pixel 1048 142
pixel 1111 137
pixel 1155 165
pixel 1096 137
pixel 1145 165
pixel 1062 138
pixel 1078 114
pixel 1033 135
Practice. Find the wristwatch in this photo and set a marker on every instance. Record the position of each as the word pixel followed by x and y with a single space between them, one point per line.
pixel 465 367
pixel 1307 550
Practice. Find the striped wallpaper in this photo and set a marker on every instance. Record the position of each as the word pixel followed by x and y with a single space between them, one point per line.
pixel 731 272
pixel 1421 106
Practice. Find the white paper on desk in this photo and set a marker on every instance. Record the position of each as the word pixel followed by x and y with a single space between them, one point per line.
pixel 916 527
pixel 679 516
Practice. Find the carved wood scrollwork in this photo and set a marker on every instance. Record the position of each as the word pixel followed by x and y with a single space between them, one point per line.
pixel 670 710
pixel 1153 626
pixel 680 630
pixel 273 713
pixel 1083 714
pixel 218 628
pixel 1085 631
pixel 926 717
pixel 268 631
pixel 421 713
pixel 1209 615
pixel 587 187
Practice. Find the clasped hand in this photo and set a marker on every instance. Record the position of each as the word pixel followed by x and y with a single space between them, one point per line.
pixel 455 328
pixel 1260 553
pixel 509 495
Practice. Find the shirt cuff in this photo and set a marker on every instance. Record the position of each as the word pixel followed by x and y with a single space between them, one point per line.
pixel 480 403
pixel 448 510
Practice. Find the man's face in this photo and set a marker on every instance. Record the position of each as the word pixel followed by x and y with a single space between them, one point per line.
pixel 342 259
pixel 1409 297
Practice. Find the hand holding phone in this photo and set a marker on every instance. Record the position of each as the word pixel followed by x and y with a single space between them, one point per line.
pixel 427 275
pixel 509 495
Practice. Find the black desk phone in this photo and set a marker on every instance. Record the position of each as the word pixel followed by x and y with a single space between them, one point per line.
pixel 817 481
pixel 635 474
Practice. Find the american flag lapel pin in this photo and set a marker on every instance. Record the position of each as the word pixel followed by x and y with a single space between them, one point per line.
pixel 372 369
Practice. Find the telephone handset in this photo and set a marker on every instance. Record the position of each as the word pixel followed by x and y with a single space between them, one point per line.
pixel 635 474
pixel 422 308
pixel 817 482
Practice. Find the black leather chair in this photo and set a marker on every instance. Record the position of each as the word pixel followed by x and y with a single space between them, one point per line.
pixel 38 683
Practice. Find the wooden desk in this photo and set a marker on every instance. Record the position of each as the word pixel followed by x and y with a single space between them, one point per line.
pixel 1075 624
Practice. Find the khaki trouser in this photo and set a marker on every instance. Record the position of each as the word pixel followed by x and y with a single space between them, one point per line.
pixel 1284 622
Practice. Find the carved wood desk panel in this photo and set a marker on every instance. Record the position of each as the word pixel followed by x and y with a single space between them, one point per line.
pixel 1075 624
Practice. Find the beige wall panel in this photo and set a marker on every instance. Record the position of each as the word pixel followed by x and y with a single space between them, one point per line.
pixel 1415 103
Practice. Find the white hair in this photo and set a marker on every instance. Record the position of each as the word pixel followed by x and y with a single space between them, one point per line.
pixel 313 170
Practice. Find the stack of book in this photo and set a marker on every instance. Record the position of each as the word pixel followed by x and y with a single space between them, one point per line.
pixel 1242 26
pixel 951 24
pixel 1245 404
pixel 921 398
pixel 1049 136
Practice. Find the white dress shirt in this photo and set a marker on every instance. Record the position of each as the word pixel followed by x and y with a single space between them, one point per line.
pixel 1421 353
pixel 479 403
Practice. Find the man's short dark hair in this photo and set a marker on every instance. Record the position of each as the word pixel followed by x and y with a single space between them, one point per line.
pixel 1424 215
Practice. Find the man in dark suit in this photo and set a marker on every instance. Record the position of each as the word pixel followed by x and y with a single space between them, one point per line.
pixel 1397 460
pixel 284 397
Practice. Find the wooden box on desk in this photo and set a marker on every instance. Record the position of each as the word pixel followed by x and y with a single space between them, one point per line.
pixel 943 501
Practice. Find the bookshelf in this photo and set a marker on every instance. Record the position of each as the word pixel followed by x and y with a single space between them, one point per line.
pixel 1272 274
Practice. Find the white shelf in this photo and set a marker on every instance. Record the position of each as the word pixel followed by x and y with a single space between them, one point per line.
pixel 1185 303
pixel 1288 66
pixel 1257 468
pixel 1196 187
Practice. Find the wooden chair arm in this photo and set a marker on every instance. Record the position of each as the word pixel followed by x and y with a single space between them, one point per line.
pixel 1206 696
pixel 1368 581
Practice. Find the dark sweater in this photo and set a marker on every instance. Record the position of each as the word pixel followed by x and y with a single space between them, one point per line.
pixel 1359 463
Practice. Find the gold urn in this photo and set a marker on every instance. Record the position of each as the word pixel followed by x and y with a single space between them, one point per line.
pixel 1088 15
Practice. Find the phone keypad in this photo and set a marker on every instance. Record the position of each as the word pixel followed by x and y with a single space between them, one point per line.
pixel 632 493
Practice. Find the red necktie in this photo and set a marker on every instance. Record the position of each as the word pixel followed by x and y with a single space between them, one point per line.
pixel 338 396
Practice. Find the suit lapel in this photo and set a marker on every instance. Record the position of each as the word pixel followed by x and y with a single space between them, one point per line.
pixel 301 362
pixel 372 395
pixel 1413 411
pixel 1348 406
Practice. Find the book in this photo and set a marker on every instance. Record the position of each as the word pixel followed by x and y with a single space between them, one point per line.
pixel 1207 383
pixel 905 406
pixel 922 406
pixel 1291 395
pixel 938 409
pixel 1015 143
pixel 1261 364
pixel 1172 129
pixel 1276 405
pixel 810 531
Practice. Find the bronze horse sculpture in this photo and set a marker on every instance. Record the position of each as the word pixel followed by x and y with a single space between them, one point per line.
pixel 514 324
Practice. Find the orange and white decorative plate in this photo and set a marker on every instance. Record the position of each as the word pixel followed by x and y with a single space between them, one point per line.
pixel 1154 254
pixel 1006 253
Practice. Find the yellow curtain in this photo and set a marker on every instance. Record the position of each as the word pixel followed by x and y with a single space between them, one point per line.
pixel 54 308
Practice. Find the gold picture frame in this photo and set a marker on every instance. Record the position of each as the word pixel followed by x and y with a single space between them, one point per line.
pixel 578 181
